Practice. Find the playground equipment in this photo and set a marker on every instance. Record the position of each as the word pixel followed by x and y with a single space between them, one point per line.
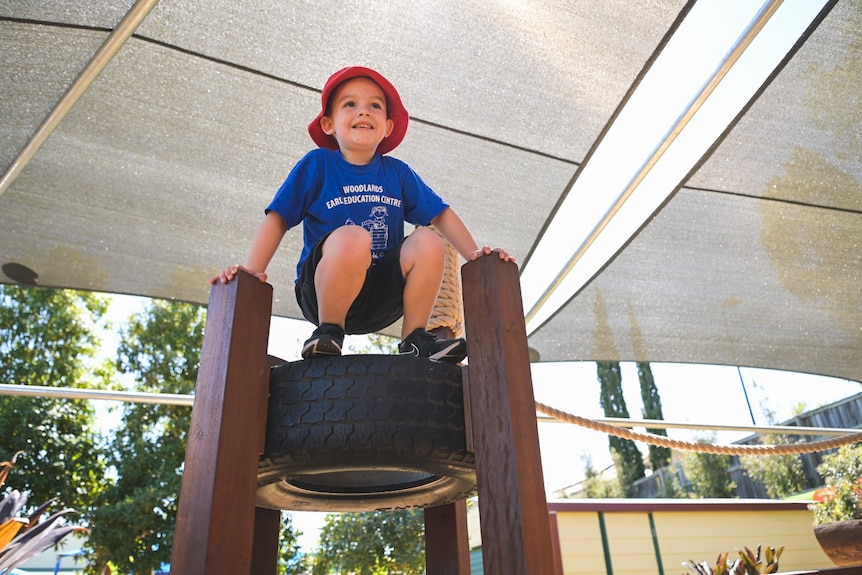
pixel 220 529
pixel 365 433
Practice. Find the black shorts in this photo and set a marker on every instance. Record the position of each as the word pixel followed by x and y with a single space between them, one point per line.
pixel 380 302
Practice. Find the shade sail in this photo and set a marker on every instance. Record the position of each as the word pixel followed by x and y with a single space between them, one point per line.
pixel 158 176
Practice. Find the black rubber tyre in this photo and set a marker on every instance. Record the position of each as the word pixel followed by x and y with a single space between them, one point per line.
pixel 364 433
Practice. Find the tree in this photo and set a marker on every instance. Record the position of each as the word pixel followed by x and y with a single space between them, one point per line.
pixel 597 487
pixel 290 559
pixel 372 543
pixel 782 475
pixel 708 474
pixel 133 523
pixel 659 456
pixel 669 484
pixel 48 338
pixel 375 343
pixel 629 460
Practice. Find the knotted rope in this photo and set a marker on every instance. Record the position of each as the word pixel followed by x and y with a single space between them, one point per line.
pixel 448 310
pixel 735 449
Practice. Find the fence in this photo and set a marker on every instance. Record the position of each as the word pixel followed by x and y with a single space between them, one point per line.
pixel 846 414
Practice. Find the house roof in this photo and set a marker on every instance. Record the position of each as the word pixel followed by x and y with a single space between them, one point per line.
pixel 153 171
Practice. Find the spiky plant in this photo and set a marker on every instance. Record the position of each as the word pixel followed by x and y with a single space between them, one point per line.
pixel 748 563
pixel 23 538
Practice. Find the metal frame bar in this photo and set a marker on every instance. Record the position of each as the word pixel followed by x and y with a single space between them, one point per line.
pixel 188 400
pixel 82 83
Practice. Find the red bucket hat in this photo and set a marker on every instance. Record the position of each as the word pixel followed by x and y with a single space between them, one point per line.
pixel 397 112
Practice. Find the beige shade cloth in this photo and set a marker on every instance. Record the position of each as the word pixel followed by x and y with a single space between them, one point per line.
pixel 159 175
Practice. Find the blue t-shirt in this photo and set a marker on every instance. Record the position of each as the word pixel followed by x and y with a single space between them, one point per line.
pixel 324 191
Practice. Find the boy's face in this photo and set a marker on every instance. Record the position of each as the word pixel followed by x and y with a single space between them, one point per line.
pixel 357 118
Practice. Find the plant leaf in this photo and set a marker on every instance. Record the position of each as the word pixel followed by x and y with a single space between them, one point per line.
pixel 9 530
pixel 34 517
pixel 11 504
pixel 35 532
pixel 6 467
pixel 35 545
pixel 701 569
pixel 35 540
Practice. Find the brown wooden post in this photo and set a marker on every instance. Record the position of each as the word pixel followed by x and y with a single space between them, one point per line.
pixel 215 517
pixel 447 543
pixel 513 512
pixel 264 554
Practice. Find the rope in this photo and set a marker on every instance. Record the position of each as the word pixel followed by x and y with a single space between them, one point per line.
pixel 663 441
pixel 448 311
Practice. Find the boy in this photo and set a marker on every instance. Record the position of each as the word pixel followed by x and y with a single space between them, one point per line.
pixel 357 272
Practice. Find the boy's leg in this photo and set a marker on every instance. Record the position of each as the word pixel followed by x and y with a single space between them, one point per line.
pixel 422 261
pixel 341 272
pixel 423 257
pixel 338 278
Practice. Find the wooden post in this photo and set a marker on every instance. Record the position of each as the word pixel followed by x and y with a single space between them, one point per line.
pixel 264 555
pixel 513 512
pixel 215 517
pixel 447 546
pixel 447 543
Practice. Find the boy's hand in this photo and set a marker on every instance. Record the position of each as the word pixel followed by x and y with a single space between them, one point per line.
pixel 486 250
pixel 228 274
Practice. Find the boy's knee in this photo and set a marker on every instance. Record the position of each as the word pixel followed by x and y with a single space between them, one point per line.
pixel 348 241
pixel 351 232
pixel 427 242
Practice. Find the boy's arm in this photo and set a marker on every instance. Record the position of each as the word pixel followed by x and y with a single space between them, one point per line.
pixel 266 241
pixel 453 229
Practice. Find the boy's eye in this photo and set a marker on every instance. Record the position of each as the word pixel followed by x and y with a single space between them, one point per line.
pixel 353 104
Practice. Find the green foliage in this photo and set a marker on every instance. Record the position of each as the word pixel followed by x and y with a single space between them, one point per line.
pixel 133 523
pixel 290 561
pixel 799 408
pixel 372 543
pixel 627 456
pixel 748 563
pixel 708 474
pixel 48 338
pixel 841 498
pixel 659 456
pixel 670 484
pixel 597 487
pixel 782 475
pixel 374 343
